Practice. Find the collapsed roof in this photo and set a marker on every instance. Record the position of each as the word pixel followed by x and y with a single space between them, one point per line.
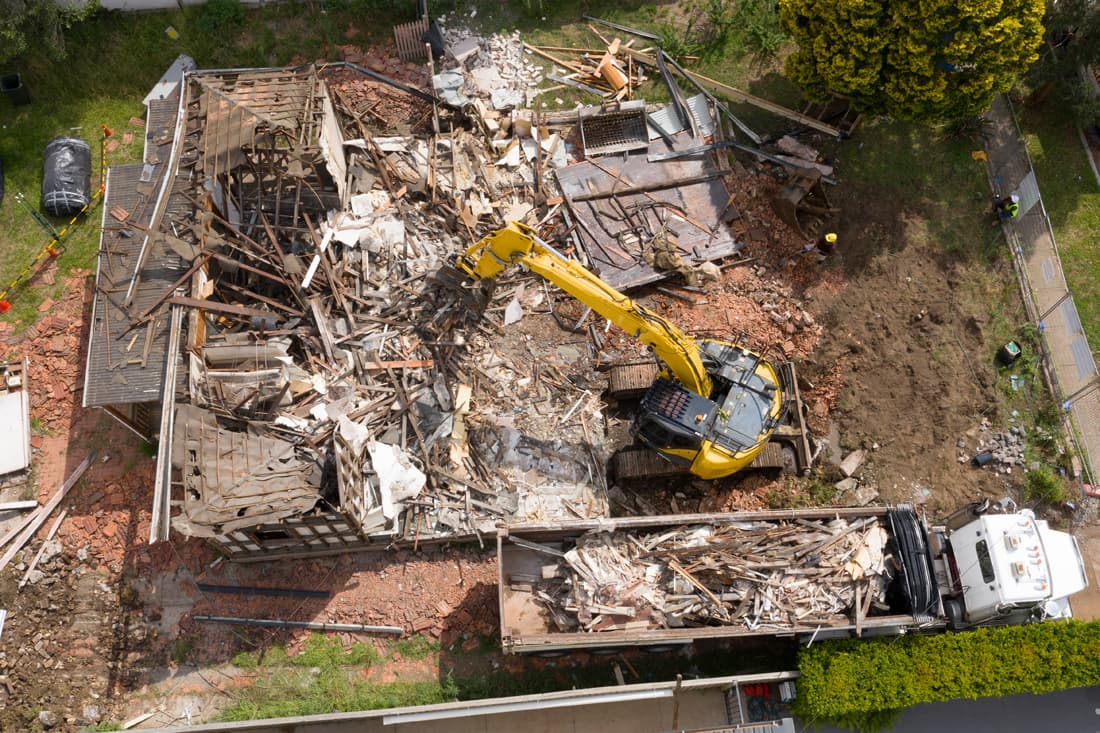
pixel 277 249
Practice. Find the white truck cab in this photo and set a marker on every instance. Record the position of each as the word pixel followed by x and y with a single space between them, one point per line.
pixel 1006 568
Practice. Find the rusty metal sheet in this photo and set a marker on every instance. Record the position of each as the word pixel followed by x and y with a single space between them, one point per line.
pixel 621 202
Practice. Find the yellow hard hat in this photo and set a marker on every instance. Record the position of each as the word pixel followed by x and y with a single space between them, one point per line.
pixel 830 238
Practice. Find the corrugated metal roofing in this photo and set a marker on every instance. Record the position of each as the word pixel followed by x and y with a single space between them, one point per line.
pixel 127 355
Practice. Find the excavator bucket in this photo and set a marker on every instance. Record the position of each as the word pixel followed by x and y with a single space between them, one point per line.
pixel 803 206
pixel 475 296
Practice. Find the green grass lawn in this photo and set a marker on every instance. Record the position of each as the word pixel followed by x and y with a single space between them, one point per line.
pixel 1072 199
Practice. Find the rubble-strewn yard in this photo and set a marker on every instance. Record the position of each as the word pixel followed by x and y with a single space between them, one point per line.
pixel 329 393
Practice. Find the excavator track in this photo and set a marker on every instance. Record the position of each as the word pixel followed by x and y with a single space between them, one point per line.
pixel 636 462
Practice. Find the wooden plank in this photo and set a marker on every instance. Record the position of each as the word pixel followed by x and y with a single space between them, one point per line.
pixel 560 62
pixel 677 568
pixel 405 364
pixel 319 317
pixel 859 610
pixel 676 183
pixel 38 555
pixel 216 307
pixel 19 527
pixel 742 96
pixel 536 546
pixel 47 509
pixel 18 506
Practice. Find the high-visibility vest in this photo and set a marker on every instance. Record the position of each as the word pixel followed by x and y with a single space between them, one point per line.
pixel 1012 208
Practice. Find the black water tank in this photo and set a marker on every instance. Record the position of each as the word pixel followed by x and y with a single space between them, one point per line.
pixel 67 176
pixel 12 87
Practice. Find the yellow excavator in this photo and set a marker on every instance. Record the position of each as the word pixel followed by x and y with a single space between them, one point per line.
pixel 713 405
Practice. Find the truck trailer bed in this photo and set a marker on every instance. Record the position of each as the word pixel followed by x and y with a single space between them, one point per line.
pixel 673 579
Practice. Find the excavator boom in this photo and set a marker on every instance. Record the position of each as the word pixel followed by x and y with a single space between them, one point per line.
pixel 722 403
pixel 519 243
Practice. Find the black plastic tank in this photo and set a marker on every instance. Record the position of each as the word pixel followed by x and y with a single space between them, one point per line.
pixel 66 176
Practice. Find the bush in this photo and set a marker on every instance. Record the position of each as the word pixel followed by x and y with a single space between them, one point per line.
pixel 973 129
pixel 759 28
pixel 1042 484
pixel 220 16
pixel 847 678
pixel 1084 102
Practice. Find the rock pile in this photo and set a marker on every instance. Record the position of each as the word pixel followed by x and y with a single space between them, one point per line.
pixel 1001 451
pixel 496 69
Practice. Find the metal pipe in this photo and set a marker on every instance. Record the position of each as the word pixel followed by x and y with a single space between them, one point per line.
pixel 311 625
pixel 251 590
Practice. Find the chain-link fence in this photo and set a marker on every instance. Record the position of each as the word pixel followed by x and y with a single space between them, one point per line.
pixel 1067 358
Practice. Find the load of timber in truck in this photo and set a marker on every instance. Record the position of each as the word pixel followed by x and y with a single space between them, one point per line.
pixel 809 573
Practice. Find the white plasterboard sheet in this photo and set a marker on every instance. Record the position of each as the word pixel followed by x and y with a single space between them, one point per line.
pixel 15 432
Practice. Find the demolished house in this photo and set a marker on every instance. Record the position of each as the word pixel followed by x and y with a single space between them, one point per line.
pixel 266 301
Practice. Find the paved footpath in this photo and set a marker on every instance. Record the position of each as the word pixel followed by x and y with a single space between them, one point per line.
pixel 1036 255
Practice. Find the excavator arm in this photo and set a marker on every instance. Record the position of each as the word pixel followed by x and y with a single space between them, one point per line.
pixel 519 243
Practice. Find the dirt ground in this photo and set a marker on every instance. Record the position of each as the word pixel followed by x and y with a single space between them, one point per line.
pixel 884 336
pixel 908 344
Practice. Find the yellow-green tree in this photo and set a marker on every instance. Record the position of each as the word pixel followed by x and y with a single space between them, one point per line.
pixel 920 60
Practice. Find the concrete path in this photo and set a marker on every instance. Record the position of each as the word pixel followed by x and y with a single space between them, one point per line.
pixel 1036 256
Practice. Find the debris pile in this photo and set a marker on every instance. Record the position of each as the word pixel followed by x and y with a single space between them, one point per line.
pixel 280 251
pixel 754 574
pixel 330 374
pixel 374 104
pixel 490 68
pixel 1001 451
pixel 609 72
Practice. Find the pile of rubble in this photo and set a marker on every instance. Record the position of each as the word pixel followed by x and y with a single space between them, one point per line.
pixel 324 387
pixel 754 574
pixel 330 370
pixel 490 68
pixel 1000 451
pixel 49 344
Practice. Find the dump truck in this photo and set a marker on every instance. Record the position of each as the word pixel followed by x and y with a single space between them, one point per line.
pixel 661 581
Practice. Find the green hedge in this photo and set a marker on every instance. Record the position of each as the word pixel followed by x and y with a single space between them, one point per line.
pixel 855 677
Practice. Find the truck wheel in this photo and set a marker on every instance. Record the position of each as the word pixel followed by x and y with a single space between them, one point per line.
pixel 605 651
pixel 550 654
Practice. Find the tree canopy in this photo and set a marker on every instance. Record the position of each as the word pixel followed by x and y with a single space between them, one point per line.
pixel 38 22
pixel 926 61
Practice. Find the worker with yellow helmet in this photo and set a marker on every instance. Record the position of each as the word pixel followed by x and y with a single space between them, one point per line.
pixel 825 245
